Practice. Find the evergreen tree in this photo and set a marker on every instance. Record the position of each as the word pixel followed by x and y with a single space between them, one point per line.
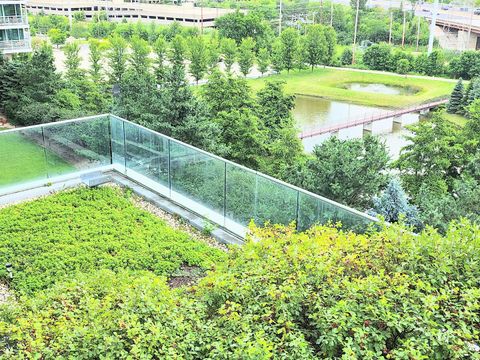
pixel 263 60
pixel 455 105
pixel 246 55
pixel 393 205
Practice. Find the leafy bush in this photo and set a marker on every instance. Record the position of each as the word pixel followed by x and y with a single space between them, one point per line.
pixel 319 294
pixel 87 230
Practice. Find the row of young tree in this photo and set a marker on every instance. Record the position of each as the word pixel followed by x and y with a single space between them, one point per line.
pixel 439 170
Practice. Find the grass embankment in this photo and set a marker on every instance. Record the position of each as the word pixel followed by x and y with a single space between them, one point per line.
pixel 22 160
pixel 458 120
pixel 87 230
pixel 330 83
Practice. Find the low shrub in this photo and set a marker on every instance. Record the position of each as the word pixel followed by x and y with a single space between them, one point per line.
pixel 323 294
pixel 86 230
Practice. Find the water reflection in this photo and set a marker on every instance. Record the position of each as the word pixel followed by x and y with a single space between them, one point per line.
pixel 380 89
pixel 316 113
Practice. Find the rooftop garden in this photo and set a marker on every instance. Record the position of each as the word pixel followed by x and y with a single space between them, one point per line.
pixel 92 278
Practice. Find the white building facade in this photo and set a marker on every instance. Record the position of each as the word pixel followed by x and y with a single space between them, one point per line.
pixel 14 29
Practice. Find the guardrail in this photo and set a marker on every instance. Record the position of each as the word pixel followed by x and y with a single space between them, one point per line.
pixel 17 19
pixel 225 193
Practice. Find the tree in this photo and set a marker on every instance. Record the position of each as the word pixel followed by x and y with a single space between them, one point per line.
pixel 393 204
pixel 331 42
pixel 160 49
pixel 289 48
pixel 72 61
pixel 242 135
pixel 435 62
pixel 117 58
pixel 229 50
pixel 348 171
pixel 139 57
pixel 238 26
pixel 263 60
pixel 177 51
pixel 213 54
pixel 403 66
pixel 226 93
pixel 455 105
pixel 57 36
pixel 198 58
pixel 277 56
pixel 95 56
pixel 434 156
pixel 246 56
pixel 314 45
pixel 377 57
pixel 347 57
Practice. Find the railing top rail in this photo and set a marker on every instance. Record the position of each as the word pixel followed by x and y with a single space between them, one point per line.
pixel 86 118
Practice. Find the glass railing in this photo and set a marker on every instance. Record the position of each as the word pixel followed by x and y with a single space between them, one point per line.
pixel 223 192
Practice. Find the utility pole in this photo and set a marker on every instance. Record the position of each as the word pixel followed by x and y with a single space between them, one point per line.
pixel 469 30
pixel 418 31
pixel 201 17
pixel 403 31
pixel 331 12
pixel 355 33
pixel 321 12
pixel 432 27
pixel 280 19
pixel 390 30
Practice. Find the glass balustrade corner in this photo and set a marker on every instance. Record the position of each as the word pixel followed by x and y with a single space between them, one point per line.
pixel 223 192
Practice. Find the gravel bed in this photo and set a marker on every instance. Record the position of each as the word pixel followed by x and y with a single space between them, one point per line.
pixel 5 293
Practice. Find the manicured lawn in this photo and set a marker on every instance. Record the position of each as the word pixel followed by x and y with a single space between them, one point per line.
pixel 22 160
pixel 86 230
pixel 458 120
pixel 327 83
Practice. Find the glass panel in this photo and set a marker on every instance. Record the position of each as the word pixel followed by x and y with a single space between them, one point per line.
pixel 147 153
pixel 83 145
pixel 22 157
pixel 198 177
pixel 276 203
pixel 118 142
pixel 240 195
pixel 309 208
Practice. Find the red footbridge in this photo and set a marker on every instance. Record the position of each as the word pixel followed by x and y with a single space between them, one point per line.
pixel 367 119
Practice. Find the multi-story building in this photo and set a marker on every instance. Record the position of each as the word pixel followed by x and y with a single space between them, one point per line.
pixel 14 30
pixel 119 10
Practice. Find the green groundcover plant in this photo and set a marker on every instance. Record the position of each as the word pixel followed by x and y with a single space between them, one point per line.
pixel 321 294
pixel 86 230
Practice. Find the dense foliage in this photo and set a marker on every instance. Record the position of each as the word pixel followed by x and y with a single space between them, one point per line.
pixel 321 294
pixel 87 230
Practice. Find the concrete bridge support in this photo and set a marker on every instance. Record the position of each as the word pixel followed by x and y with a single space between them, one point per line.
pixel 382 126
pixel 353 132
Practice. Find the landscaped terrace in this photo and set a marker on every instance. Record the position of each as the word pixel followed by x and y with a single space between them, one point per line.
pixel 222 192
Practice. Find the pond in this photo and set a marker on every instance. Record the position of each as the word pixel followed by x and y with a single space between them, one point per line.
pixel 380 88
pixel 316 113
